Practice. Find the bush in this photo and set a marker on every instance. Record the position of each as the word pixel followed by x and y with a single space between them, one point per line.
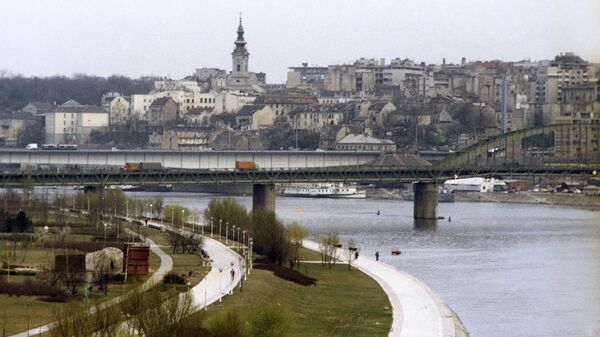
pixel 227 325
pixel 173 278
pixel 271 321
pixel 270 237
pixel 28 288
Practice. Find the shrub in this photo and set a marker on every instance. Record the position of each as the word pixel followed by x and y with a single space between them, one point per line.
pixel 173 278
pixel 271 321
pixel 227 325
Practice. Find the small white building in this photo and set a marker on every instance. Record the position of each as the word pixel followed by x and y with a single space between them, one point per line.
pixel 73 123
pixel 476 184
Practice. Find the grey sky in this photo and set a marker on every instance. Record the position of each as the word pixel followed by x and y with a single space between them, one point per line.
pixel 172 38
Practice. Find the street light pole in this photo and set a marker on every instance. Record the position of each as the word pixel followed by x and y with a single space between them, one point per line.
pixel 182 216
pixel 211 226
pixel 220 289
pixel 226 232
pixel 220 224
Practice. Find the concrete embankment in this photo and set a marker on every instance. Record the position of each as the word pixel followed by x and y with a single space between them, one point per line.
pixel 570 199
pixel 417 310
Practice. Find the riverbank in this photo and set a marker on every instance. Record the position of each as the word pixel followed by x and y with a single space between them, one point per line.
pixel 568 199
pixel 417 309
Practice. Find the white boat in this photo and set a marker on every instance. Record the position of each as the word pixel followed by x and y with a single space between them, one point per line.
pixel 323 190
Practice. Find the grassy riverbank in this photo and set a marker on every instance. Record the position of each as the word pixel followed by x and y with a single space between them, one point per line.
pixel 343 302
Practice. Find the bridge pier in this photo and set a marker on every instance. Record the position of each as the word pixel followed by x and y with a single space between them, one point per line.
pixel 263 197
pixel 425 204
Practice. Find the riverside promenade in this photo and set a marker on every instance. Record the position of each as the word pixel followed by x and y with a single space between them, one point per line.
pixel 417 310
pixel 218 282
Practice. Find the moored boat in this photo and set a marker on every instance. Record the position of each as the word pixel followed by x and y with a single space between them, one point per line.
pixel 323 190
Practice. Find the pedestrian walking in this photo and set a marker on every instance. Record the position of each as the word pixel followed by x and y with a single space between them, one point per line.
pixel 377 256
pixel 356 255
pixel 232 274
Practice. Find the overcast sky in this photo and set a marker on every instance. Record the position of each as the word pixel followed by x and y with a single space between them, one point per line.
pixel 172 38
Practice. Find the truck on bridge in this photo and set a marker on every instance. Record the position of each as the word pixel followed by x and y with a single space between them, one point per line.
pixel 245 165
pixel 138 167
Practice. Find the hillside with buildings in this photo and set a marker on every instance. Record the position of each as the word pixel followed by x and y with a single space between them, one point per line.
pixel 371 104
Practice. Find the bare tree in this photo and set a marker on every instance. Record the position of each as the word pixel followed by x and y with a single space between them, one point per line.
pixel 296 233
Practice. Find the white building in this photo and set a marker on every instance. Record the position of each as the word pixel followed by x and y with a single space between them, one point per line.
pixel 476 184
pixel 73 123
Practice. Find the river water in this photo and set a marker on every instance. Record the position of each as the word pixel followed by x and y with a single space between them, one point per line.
pixel 520 270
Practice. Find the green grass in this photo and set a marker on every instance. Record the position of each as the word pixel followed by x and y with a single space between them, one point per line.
pixel 21 309
pixel 343 303
pixel 184 263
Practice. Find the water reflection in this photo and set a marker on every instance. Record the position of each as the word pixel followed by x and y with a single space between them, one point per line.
pixel 425 224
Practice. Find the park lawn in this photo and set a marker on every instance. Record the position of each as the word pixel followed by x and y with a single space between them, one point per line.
pixel 343 303
pixel 20 310
pixel 183 263
pixel 309 255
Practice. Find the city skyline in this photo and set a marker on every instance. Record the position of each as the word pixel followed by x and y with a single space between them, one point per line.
pixel 103 38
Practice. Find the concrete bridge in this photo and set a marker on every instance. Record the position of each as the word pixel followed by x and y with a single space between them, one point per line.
pixel 425 179
pixel 565 149
pixel 206 160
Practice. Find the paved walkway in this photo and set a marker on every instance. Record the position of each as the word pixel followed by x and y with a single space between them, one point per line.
pixel 417 310
pixel 218 282
pixel 166 264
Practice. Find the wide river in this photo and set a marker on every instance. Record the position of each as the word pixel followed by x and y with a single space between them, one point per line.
pixel 520 270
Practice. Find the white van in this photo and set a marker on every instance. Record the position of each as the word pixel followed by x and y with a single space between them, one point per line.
pixel 31 147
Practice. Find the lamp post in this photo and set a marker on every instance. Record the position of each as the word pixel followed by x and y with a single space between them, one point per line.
pixel 220 289
pixel 220 224
pixel 105 225
pixel 150 210
pixel 233 232
pixel 182 216
pixel 226 232
pixel 244 238
pixel 211 226
pixel 250 255
pixel 238 238
pixel 126 207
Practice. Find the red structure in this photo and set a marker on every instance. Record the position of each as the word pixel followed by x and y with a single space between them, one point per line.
pixel 136 259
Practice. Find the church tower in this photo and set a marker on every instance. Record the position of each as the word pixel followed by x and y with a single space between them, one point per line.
pixel 240 54
pixel 240 78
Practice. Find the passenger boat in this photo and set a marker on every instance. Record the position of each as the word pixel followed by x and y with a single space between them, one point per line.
pixel 323 190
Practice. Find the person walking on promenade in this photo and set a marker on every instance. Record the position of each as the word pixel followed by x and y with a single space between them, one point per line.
pixel 232 274
pixel 377 256
pixel 356 255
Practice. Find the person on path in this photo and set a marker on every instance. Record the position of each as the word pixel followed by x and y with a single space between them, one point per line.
pixel 377 256
pixel 232 274
pixel 356 255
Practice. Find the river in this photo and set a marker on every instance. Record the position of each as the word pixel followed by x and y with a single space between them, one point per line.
pixel 520 270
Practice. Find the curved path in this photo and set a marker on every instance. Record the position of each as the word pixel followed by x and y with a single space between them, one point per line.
pixel 166 264
pixel 218 282
pixel 417 310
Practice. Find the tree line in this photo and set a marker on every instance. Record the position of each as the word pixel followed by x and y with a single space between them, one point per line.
pixel 18 91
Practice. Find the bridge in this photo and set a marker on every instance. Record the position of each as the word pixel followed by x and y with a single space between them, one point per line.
pixel 204 160
pixel 559 150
